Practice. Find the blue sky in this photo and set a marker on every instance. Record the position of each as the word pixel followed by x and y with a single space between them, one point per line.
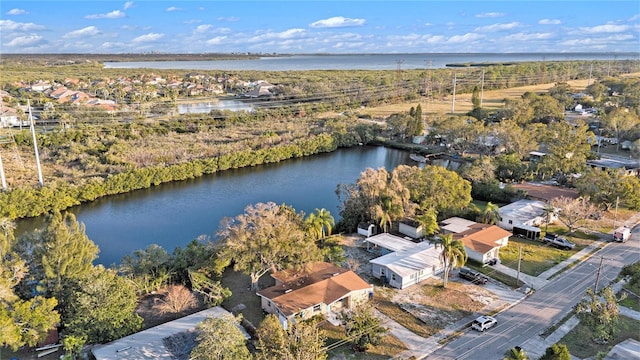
pixel 355 26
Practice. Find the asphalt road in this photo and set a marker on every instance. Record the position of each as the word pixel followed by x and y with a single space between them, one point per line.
pixel 545 307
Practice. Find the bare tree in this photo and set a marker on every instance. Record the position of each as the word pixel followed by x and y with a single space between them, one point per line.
pixel 573 212
pixel 176 300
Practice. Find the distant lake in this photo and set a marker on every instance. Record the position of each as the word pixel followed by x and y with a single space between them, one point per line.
pixel 205 108
pixel 365 61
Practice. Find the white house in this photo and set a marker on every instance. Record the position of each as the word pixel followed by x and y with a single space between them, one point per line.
pixel 483 242
pixel 409 266
pixel 385 243
pixel 522 212
pixel 149 344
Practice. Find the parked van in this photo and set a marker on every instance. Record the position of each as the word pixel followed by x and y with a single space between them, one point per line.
pixel 622 234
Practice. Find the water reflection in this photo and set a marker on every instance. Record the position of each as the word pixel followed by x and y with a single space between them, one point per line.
pixel 207 107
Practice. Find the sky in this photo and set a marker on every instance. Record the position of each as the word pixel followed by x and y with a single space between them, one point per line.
pixel 305 27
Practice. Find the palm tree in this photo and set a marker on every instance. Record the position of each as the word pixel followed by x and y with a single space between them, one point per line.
pixel 453 254
pixel 313 226
pixel 516 353
pixel 491 214
pixel 549 211
pixel 327 222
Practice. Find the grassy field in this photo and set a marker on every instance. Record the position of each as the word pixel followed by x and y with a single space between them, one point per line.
pixel 492 100
pixel 536 256
pixel 580 344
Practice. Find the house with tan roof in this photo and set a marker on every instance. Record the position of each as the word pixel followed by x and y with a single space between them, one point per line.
pixel 323 288
pixel 481 241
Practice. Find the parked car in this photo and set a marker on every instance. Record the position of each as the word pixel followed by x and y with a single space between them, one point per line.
pixel 558 241
pixel 483 323
pixel 472 275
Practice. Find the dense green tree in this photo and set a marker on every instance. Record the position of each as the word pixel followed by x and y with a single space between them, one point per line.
pixel 428 219
pixel 621 122
pixel 101 307
pixel 363 327
pixel 600 313
pixel 562 93
pixel 266 237
pixel 556 351
pixel 22 322
pixel 149 269
pixel 302 340
pixel 568 149
pixel 452 255
pixel 66 252
pixel 510 168
pixel 481 170
pixel 376 196
pixel 435 187
pixel 220 339
pixel 515 138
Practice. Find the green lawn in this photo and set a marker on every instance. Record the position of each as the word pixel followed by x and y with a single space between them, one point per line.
pixel 580 344
pixel 536 256
pixel 389 347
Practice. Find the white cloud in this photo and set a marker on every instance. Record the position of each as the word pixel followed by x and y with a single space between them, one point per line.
pixel 549 22
pixel 597 41
pixel 229 18
pixel 128 5
pixel 337 21
pixel 203 28
pixel 528 37
pixel 88 31
pixel 608 28
pixel 634 17
pixel 499 27
pixel 490 15
pixel 26 41
pixel 17 12
pixel 173 8
pixel 115 14
pixel 216 40
pixel 287 34
pixel 148 37
pixel 456 39
pixel 9 25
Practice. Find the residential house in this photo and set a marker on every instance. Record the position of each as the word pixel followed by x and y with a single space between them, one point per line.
pixel 483 242
pixel 40 86
pixel 262 88
pixel 324 289
pixel 152 343
pixel 8 116
pixel 523 212
pixel 626 168
pixel 408 266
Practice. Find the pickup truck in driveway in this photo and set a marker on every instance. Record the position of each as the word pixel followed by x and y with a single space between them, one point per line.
pixel 472 275
pixel 558 241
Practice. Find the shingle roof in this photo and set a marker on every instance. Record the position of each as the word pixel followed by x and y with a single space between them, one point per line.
pixel 323 287
pixel 482 237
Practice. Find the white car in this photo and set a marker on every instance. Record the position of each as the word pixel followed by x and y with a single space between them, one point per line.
pixel 483 323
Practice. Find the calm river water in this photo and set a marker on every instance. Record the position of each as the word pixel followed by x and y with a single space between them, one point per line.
pixel 173 214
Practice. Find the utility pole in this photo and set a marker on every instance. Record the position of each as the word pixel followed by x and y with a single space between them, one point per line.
pixel 595 289
pixel 519 260
pixel 35 145
pixel 590 70
pixel 4 181
pixel 615 216
pixel 399 80
pixel 453 100
pixel 482 88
